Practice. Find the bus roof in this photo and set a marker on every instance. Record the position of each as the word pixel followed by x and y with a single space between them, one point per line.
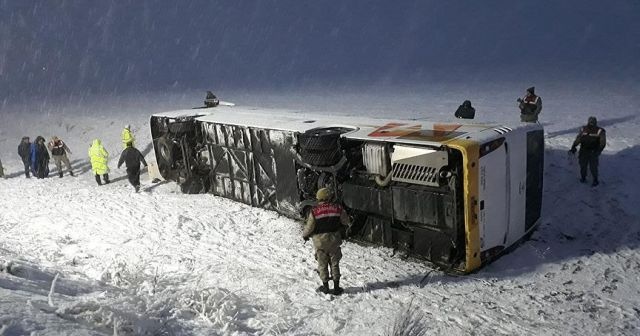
pixel 419 132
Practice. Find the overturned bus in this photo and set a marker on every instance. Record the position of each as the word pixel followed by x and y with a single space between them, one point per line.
pixel 457 194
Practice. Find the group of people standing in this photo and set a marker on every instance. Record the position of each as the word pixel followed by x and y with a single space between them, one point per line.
pixel 35 157
pixel 130 156
pixel 591 138
pixel 530 106
pixel 99 157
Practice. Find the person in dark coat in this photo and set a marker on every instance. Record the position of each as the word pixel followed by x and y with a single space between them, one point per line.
pixel 24 150
pixel 465 111
pixel 132 157
pixel 592 140
pixel 2 170
pixel 40 157
pixel 530 106
pixel 211 100
pixel 32 158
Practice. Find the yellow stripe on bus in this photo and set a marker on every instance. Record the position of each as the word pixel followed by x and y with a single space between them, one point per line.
pixel 471 154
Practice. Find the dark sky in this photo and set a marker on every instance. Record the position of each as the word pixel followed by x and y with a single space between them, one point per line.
pixel 60 47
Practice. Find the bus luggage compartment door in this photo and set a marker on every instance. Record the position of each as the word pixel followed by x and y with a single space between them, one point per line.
pixel 253 166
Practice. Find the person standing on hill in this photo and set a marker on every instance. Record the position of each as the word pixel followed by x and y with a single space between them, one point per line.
pixel 59 152
pixel 40 158
pixel 530 106
pixel 465 111
pixel 592 140
pixel 2 170
pixel 32 158
pixel 211 100
pixel 24 150
pixel 132 158
pixel 325 225
pixel 127 136
pixel 99 160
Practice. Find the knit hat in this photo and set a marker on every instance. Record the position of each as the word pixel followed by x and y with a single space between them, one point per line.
pixel 532 90
pixel 592 121
pixel 323 194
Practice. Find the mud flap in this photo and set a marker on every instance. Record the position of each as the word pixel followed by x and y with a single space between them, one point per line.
pixel 154 172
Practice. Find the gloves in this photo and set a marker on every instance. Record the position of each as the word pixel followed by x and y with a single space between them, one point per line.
pixel 519 100
pixel 572 150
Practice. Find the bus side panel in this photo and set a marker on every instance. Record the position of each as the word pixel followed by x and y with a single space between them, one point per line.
pixel 253 166
pixel 517 147
pixel 493 199
pixel 287 193
pixel 535 167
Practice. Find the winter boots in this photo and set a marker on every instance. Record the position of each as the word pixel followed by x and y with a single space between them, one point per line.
pixel 324 288
pixel 337 290
pixel 106 179
pixel 60 174
pixel 593 184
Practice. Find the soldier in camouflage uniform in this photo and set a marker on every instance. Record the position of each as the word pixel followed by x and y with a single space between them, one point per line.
pixel 59 152
pixel 530 106
pixel 325 225
pixel 592 140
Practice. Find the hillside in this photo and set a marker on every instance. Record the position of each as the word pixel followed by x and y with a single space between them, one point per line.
pixel 160 262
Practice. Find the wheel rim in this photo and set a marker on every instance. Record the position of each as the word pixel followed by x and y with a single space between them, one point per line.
pixel 165 152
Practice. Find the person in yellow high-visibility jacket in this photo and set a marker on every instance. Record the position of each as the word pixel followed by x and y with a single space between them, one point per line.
pixel 99 159
pixel 127 136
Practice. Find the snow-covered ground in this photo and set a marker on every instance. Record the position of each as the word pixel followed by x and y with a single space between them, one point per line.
pixel 78 259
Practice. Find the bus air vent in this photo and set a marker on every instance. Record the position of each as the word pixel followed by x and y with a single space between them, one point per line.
pixel 417 165
pixel 502 129
pixel 415 174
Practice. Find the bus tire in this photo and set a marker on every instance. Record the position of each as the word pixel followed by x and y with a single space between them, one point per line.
pixel 167 150
pixel 321 139
pixel 321 158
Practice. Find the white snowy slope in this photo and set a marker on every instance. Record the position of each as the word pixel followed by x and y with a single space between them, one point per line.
pixel 79 259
